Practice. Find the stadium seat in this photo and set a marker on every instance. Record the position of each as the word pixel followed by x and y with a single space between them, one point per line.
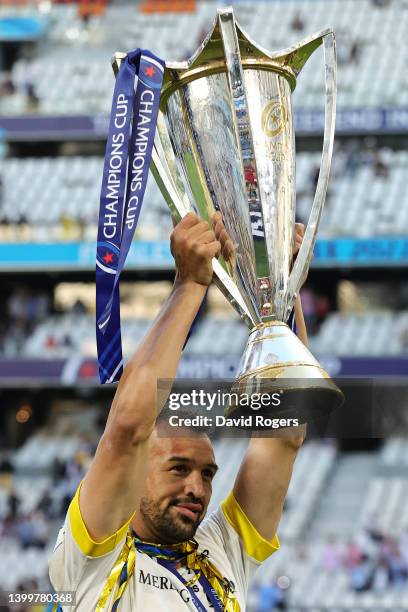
pixel 125 27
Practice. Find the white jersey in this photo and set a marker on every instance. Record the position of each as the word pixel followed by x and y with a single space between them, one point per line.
pixel 81 565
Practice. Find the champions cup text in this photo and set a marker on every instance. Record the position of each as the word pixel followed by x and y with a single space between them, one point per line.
pixel 138 162
pixel 117 157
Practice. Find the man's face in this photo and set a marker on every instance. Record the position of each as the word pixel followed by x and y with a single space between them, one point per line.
pixel 178 487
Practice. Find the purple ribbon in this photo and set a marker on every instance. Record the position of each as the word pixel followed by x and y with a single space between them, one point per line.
pixel 125 172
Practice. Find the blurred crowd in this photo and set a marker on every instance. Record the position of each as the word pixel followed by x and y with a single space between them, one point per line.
pixel 374 560
pixel 27 308
pixel 26 91
pixel 270 595
pixel 316 307
pixel 34 528
pixel 348 158
pixel 24 309
pixel 353 154
pixel 348 48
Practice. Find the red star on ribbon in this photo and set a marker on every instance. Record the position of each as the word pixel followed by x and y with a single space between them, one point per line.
pixel 108 258
pixel 150 71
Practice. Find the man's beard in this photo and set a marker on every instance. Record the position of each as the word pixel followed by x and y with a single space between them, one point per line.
pixel 168 528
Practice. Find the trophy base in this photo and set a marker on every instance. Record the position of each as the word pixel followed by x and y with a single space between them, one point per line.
pixel 275 361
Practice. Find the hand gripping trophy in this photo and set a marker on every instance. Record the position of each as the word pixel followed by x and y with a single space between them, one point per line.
pixel 225 142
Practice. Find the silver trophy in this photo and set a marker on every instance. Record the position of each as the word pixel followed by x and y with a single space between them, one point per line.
pixel 225 142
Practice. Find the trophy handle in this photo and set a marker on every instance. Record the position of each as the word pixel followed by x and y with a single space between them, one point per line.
pixel 172 189
pixel 302 263
pixel 168 178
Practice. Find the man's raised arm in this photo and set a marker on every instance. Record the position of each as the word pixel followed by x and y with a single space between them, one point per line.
pixel 111 490
pixel 264 476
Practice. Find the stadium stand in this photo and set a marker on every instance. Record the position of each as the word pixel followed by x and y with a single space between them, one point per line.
pixel 395 454
pixel 58 198
pixel 389 494
pixel 343 560
pixel 314 568
pixel 39 454
pixel 366 333
pixel 371 51
pixel 344 532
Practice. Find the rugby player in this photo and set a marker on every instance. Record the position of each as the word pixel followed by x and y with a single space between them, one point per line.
pixel 135 536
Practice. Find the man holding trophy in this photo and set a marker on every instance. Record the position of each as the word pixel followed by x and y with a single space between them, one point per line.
pixel 223 155
pixel 135 535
